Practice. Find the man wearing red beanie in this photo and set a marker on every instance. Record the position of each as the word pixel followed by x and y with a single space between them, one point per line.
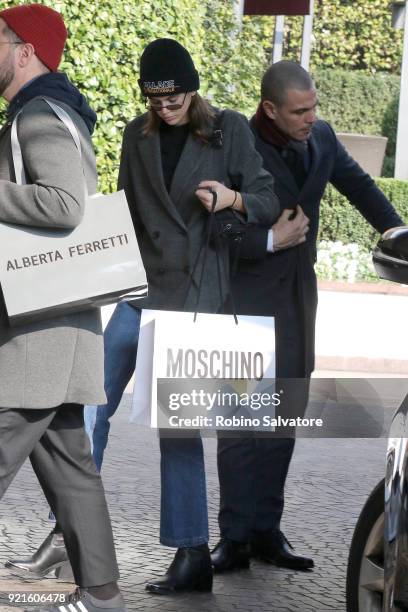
pixel 49 370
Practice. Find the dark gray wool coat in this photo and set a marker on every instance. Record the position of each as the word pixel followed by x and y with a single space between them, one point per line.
pixel 43 365
pixel 169 246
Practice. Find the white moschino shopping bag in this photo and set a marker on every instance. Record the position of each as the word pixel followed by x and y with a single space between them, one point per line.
pixel 183 368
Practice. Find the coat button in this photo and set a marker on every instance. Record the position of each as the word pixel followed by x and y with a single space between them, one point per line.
pixel 186 269
pixel 161 271
pixel 156 234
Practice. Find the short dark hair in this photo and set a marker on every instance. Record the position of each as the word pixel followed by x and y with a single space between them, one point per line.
pixel 282 76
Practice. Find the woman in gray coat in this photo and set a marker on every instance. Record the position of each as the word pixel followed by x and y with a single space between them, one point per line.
pixel 172 156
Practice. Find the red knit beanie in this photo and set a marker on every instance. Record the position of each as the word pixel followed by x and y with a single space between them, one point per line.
pixel 41 26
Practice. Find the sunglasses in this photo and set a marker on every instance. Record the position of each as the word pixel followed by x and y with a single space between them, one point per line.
pixel 158 106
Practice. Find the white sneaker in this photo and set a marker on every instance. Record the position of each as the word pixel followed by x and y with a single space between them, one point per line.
pixel 82 601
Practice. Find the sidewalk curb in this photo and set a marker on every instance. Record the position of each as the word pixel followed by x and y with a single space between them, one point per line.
pixel 378 288
pixel 362 364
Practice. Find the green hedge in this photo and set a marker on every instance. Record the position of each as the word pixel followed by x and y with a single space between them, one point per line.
pixel 105 45
pixel 351 34
pixel 339 220
pixel 354 101
pixel 102 55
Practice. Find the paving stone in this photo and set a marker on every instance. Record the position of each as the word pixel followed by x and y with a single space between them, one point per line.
pixel 328 483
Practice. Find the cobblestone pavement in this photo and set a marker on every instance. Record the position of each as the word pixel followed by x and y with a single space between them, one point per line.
pixel 327 486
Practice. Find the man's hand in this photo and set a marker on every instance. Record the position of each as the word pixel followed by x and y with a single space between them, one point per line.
pixel 225 196
pixel 289 233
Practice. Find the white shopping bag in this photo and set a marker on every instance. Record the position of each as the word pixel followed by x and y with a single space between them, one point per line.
pixel 142 394
pixel 173 347
pixel 48 272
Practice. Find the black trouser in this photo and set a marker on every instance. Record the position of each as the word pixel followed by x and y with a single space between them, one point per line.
pixel 55 441
pixel 252 473
pixel 252 469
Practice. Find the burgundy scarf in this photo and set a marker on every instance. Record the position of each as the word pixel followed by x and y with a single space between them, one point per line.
pixel 268 130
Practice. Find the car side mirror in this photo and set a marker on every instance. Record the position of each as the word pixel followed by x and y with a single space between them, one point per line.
pixel 390 257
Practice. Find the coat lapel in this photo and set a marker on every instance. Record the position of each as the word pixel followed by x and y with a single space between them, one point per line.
pixel 151 157
pixel 314 154
pixel 278 168
pixel 188 163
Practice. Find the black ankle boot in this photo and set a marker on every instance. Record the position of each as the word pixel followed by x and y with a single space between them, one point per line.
pixel 52 555
pixel 229 555
pixel 190 570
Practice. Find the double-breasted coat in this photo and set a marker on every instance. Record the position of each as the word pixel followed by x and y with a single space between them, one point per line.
pixel 171 225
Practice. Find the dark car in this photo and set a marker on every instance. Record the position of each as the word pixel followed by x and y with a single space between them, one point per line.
pixel 377 573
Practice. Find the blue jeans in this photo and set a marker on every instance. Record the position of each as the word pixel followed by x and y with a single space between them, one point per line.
pixel 183 518
pixel 120 340
pixel 183 511
pixel 89 422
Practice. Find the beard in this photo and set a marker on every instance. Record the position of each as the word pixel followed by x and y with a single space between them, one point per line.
pixel 6 74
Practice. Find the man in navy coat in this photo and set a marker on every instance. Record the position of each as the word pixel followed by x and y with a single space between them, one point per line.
pixel 275 277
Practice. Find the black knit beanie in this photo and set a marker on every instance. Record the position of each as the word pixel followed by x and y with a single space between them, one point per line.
pixel 166 68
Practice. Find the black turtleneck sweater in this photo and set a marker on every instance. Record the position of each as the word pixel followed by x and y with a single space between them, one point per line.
pixel 172 141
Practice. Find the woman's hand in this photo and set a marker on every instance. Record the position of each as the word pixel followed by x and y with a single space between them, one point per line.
pixel 225 196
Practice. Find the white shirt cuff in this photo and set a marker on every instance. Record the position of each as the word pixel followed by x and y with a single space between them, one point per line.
pixel 269 244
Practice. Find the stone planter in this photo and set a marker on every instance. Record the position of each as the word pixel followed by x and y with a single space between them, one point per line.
pixel 368 151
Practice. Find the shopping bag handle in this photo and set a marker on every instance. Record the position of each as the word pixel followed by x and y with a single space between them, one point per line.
pixel 205 244
pixel 68 122
pixel 230 294
pixel 19 171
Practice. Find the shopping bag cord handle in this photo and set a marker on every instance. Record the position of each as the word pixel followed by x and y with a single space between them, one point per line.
pixel 230 295
pixel 205 245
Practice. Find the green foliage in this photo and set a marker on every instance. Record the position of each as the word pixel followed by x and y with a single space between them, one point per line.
pixel 105 45
pixel 102 58
pixel 102 54
pixel 346 34
pixel 388 166
pixel 357 35
pixel 346 262
pixel 389 129
pixel 358 102
pixel 107 39
pixel 340 221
